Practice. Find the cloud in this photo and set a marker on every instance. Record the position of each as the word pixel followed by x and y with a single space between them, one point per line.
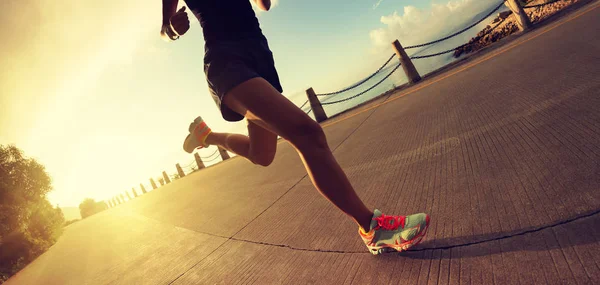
pixel 414 25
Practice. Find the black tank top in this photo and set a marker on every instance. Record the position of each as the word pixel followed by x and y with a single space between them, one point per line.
pixel 226 20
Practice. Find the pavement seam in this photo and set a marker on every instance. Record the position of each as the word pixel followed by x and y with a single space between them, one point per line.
pixel 537 229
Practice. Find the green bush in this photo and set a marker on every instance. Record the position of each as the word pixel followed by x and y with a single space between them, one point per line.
pixel 29 224
pixel 89 207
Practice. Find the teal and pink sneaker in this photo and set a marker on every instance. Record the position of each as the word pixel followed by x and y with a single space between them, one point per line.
pixel 394 233
pixel 197 136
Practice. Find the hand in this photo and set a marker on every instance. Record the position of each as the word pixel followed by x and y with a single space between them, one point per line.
pixel 180 23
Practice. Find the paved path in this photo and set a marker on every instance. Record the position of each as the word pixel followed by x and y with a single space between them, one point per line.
pixel 503 152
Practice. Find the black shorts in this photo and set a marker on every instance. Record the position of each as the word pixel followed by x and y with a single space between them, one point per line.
pixel 228 64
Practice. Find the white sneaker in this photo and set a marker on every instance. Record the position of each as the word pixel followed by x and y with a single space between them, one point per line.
pixel 197 136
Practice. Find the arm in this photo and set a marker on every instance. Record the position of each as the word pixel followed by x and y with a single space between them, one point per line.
pixel 174 24
pixel 168 10
pixel 264 5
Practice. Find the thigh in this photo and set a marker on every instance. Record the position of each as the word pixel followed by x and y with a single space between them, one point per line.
pixel 261 139
pixel 262 104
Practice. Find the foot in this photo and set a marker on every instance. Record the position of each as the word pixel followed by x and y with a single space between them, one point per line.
pixel 394 233
pixel 197 136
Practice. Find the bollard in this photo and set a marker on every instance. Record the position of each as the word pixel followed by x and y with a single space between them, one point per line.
pixel 180 171
pixel 315 105
pixel 198 161
pixel 153 183
pixel 122 197
pixel 134 192
pixel 143 188
pixel 161 181
pixel 166 177
pixel 409 69
pixel 522 19
pixel 128 196
pixel 224 154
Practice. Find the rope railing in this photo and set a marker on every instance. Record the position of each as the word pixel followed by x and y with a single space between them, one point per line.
pixel 215 158
pixel 365 91
pixel 358 83
pixel 459 32
pixel 207 157
pixel 460 46
pixel 189 164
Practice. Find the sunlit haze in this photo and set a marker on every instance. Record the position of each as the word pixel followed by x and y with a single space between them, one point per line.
pixel 90 90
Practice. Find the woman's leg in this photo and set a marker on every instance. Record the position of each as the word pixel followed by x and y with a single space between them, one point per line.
pixel 263 105
pixel 259 146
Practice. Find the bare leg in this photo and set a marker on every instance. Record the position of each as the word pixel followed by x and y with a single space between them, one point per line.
pixel 259 147
pixel 262 104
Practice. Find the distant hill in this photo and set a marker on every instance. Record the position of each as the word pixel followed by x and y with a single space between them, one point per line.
pixel 71 213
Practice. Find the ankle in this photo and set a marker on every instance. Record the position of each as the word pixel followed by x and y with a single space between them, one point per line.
pixel 210 139
pixel 365 224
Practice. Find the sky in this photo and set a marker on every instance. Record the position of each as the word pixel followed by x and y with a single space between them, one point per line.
pixel 89 89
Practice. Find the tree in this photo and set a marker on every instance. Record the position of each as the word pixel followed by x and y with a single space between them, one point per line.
pixel 29 224
pixel 89 207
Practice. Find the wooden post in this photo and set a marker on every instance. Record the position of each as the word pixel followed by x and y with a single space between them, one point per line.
pixel 224 154
pixel 122 197
pixel 153 183
pixel 143 188
pixel 128 196
pixel 134 192
pixel 118 200
pixel 409 69
pixel 180 171
pixel 522 19
pixel 161 181
pixel 198 161
pixel 315 105
pixel 166 177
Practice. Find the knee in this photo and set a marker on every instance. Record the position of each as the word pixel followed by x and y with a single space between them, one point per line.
pixel 263 158
pixel 309 134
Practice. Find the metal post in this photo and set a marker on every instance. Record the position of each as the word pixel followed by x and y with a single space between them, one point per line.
pixel 315 105
pixel 522 19
pixel 153 183
pixel 409 69
pixel 166 177
pixel 198 161
pixel 180 171
pixel 224 154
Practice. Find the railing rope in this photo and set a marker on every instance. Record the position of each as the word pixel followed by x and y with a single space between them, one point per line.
pixel 460 46
pixel 358 83
pixel 459 32
pixel 363 92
